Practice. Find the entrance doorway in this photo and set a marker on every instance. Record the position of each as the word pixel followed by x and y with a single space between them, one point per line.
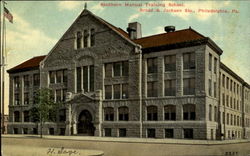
pixel 85 124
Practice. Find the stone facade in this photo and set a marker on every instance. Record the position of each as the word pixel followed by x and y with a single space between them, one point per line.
pixel 129 99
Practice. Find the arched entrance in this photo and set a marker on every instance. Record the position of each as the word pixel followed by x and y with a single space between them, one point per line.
pixel 85 125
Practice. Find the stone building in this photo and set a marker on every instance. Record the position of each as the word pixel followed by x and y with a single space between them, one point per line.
pixel 120 84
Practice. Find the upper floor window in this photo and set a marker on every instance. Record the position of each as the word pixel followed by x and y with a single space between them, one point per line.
pixel 210 87
pixel 152 65
pixel 227 84
pixel 170 87
pixel 92 37
pixel 215 113
pixel 210 62
pixel 117 91
pixel 85 78
pixel 210 112
pixel 26 117
pixel 170 63
pixel 78 40
pixel 189 61
pixel 58 76
pixel 152 114
pixel 26 98
pixel 36 79
pixel 215 65
pixel 16 82
pixel 231 85
pixel 170 112
pixel 109 114
pixel 152 89
pixel 85 38
pixel 123 113
pixel 26 81
pixel 62 115
pixel 215 89
pixel 124 91
pixel 17 99
pixel 189 112
pixel 189 86
pixel 223 80
pixel 120 68
pixel 108 92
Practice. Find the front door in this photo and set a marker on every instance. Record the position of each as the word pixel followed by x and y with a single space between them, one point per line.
pixel 85 124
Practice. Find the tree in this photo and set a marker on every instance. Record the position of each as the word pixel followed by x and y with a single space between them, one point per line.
pixel 44 108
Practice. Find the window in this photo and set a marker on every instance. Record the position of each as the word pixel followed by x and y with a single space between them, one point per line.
pixel 169 133
pixel 215 114
pixel 15 130
pixel 17 99
pixel 123 113
pixel 210 62
pixel 231 85
pixel 122 132
pixel 210 112
pixel 62 131
pixel 58 95
pixel 125 68
pixel 16 82
pixel 231 102
pixel 189 112
pixel 35 131
pixel 85 78
pixel 78 40
pixel 108 92
pixel 228 119
pixel 107 132
pixel 152 65
pixel 85 38
pixel 26 98
pixel 231 121
pixel 152 89
pixel 210 87
pixel 117 69
pixel 234 86
pixel 215 89
pixel 151 133
pixel 215 65
pixel 223 117
pixel 52 75
pixel 65 77
pixel 238 89
pixel 62 115
pixel 124 91
pixel 227 101
pixel 189 86
pixel 79 80
pixel 64 94
pixel 26 117
pixel 223 99
pixel 109 114
pixel 170 63
pixel 26 81
pixel 16 116
pixel 170 112
pixel 170 87
pixel 92 37
pixel 59 76
pixel 36 79
pixel 227 82
pixel 188 133
pixel 223 80
pixel 51 131
pixel 189 61
pixel 108 69
pixel 117 91
pixel 25 130
pixel 152 114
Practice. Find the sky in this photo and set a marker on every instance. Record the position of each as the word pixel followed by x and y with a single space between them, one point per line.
pixel 38 25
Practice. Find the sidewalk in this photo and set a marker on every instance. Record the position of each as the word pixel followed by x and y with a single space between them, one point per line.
pixel 130 140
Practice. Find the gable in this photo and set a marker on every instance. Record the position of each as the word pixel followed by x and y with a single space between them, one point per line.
pixel 107 38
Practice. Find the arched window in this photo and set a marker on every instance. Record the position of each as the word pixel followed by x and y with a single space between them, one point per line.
pixel 170 112
pixel 152 113
pixel 189 112
pixel 109 114
pixel 26 116
pixel 78 40
pixel 16 116
pixel 123 113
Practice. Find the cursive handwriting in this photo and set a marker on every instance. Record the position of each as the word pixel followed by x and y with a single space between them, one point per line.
pixel 62 151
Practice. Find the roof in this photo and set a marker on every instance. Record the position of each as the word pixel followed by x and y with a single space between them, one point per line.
pixel 30 64
pixel 180 36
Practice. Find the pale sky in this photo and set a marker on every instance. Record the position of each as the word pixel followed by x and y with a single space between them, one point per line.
pixel 39 25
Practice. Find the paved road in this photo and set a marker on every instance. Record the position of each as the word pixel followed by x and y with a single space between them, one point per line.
pixel 122 147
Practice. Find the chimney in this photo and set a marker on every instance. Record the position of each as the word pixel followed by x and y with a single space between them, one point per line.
pixel 170 28
pixel 134 30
